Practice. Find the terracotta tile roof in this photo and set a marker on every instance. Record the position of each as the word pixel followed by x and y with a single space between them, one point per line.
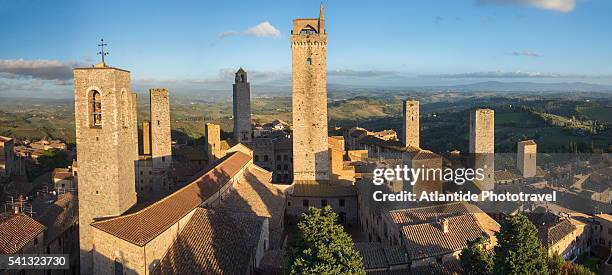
pixel 61 174
pixel 17 231
pixel 5 139
pixel 59 216
pixel 213 242
pixel 503 175
pixel 452 267
pixel 429 240
pixel 528 142
pixel 321 189
pixel 142 226
pixel 254 194
pixel 430 213
pixel 375 255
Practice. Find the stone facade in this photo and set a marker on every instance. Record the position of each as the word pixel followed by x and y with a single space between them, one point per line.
pixel 410 127
pixel 275 155
pixel 482 145
pixel 161 143
pixel 243 132
pixel 526 158
pixel 8 159
pixel 309 99
pixel 212 133
pixel 103 118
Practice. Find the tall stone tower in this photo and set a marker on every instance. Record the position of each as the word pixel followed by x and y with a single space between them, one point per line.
pixel 161 143
pixel 526 158
pixel 213 141
pixel 105 149
pixel 309 99
pixel 146 138
pixel 242 108
pixel 482 145
pixel 410 129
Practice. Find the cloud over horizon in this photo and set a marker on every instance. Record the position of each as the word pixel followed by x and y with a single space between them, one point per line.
pixel 497 74
pixel 37 69
pixel 554 5
pixel 525 53
pixel 263 29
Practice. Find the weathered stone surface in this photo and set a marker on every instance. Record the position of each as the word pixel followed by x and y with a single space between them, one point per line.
pixel 243 132
pixel 410 129
pixel 482 145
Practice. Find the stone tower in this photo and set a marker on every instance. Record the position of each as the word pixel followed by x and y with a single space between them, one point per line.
pixel 309 99
pixel 104 121
pixel 526 158
pixel 213 141
pixel 482 145
pixel 242 108
pixel 161 143
pixel 410 129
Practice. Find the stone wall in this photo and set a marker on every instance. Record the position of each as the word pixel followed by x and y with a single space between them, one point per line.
pixel 212 133
pixel 309 100
pixel 106 166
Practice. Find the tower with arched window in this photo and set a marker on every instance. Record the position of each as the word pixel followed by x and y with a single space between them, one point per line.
pixel 309 99
pixel 243 133
pixel 105 118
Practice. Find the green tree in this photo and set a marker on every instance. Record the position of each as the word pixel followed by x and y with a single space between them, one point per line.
pixel 575 269
pixel 555 264
pixel 518 250
pixel 323 247
pixel 475 260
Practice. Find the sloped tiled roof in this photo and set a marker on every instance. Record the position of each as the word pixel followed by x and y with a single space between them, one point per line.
pixel 375 255
pixel 59 216
pixel 17 231
pixel 429 240
pixel 452 267
pixel 322 189
pixel 213 242
pixel 430 213
pixel 551 234
pixel 145 224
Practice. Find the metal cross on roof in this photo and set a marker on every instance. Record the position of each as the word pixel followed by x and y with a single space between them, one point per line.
pixel 102 52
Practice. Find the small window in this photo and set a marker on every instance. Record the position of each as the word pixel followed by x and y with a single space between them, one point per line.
pixel 308 61
pixel 305 203
pixel 278 167
pixel 163 159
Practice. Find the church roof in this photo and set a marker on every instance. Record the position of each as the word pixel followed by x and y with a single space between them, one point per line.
pixel 17 231
pixel 144 225
pixel 213 242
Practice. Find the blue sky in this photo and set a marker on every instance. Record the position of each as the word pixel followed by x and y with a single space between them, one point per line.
pixel 395 43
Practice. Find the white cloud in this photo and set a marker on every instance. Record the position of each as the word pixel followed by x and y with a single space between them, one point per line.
pixel 555 5
pixel 263 29
pixel 525 53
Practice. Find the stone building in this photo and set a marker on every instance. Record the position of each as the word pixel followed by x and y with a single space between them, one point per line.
pixel 482 145
pixel 104 136
pixel 212 135
pixel 526 154
pixel 154 166
pixel 8 159
pixel 243 132
pixel 309 99
pixel 410 126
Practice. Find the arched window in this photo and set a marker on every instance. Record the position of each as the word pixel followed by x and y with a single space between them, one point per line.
pixel 96 109
pixel 308 61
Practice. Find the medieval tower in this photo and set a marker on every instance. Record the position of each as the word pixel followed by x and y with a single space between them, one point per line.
pixel 105 129
pixel 212 134
pixel 410 129
pixel 526 158
pixel 242 108
pixel 161 143
pixel 482 145
pixel 309 99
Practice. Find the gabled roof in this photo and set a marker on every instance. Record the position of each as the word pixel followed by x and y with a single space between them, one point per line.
pixel 213 242
pixel 144 225
pixel 322 189
pixel 17 231
pixel 375 255
pixel 429 240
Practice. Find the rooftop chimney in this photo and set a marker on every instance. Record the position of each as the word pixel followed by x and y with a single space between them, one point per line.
pixel 444 225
